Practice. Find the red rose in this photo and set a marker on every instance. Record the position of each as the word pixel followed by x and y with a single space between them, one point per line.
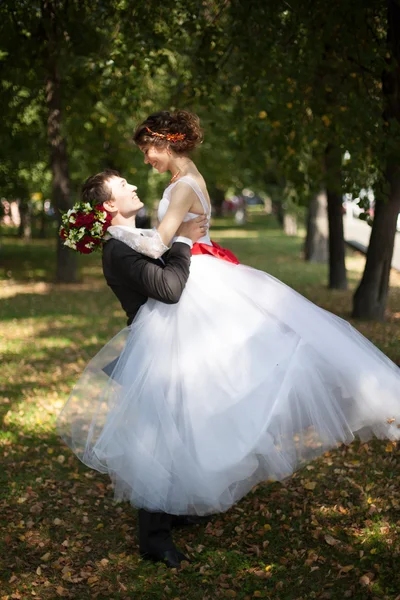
pixel 63 233
pixel 87 239
pixel 82 249
pixel 83 220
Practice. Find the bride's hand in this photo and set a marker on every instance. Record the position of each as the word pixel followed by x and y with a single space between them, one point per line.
pixel 194 229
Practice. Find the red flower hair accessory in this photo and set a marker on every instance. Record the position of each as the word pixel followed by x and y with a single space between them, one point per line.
pixel 84 226
pixel 170 137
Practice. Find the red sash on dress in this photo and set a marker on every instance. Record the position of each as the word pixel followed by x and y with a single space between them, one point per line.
pixel 215 250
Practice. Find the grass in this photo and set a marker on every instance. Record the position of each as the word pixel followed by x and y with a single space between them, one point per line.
pixel 332 531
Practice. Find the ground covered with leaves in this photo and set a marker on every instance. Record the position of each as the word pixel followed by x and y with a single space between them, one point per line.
pixel 331 531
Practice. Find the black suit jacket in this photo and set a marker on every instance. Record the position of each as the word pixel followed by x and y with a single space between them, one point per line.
pixel 134 277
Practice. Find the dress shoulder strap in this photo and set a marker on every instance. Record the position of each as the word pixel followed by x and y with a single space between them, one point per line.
pixel 197 190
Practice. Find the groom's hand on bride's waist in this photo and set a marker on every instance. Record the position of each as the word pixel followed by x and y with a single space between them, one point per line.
pixel 194 229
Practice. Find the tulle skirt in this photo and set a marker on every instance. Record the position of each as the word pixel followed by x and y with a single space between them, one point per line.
pixel 242 381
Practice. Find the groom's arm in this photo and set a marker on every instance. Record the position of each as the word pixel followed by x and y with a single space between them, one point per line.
pixel 143 275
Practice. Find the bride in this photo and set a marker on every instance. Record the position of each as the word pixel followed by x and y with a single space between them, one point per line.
pixel 242 381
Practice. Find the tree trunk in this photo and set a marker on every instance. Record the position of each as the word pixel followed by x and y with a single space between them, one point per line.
pixel 316 244
pixel 279 211
pixel 337 266
pixel 371 295
pixel 290 224
pixel 218 199
pixel 268 206
pixel 25 225
pixel 66 271
pixel 370 298
pixel 42 220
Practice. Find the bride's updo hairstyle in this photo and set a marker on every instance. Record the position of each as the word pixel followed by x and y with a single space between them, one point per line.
pixel 179 130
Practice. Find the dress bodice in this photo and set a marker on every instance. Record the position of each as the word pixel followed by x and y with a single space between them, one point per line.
pixel 148 241
pixel 165 200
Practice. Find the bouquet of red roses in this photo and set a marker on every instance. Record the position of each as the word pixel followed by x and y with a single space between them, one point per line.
pixel 84 226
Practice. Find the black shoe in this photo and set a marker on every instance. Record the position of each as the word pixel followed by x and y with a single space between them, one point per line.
pixel 171 558
pixel 187 520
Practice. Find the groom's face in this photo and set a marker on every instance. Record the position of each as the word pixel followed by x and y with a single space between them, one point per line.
pixel 124 196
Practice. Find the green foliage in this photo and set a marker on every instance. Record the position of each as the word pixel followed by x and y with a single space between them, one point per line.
pixel 299 76
pixel 114 69
pixel 273 83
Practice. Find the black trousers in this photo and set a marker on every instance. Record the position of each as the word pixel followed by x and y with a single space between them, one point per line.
pixel 154 532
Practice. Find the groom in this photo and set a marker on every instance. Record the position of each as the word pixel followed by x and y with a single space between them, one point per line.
pixel 134 278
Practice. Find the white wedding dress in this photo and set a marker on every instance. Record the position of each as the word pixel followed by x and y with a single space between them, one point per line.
pixel 242 381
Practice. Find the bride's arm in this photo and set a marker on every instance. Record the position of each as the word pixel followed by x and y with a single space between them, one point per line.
pixel 182 199
pixel 154 242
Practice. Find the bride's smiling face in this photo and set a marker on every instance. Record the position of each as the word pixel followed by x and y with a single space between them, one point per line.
pixel 158 158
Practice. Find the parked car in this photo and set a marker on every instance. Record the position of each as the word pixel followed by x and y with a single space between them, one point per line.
pixel 351 206
pixel 231 205
pixel 254 200
pixel 251 198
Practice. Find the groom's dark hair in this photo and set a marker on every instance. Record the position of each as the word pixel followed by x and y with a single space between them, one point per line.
pixel 94 190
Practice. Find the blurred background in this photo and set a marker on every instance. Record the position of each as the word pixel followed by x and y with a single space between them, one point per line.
pixel 299 103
